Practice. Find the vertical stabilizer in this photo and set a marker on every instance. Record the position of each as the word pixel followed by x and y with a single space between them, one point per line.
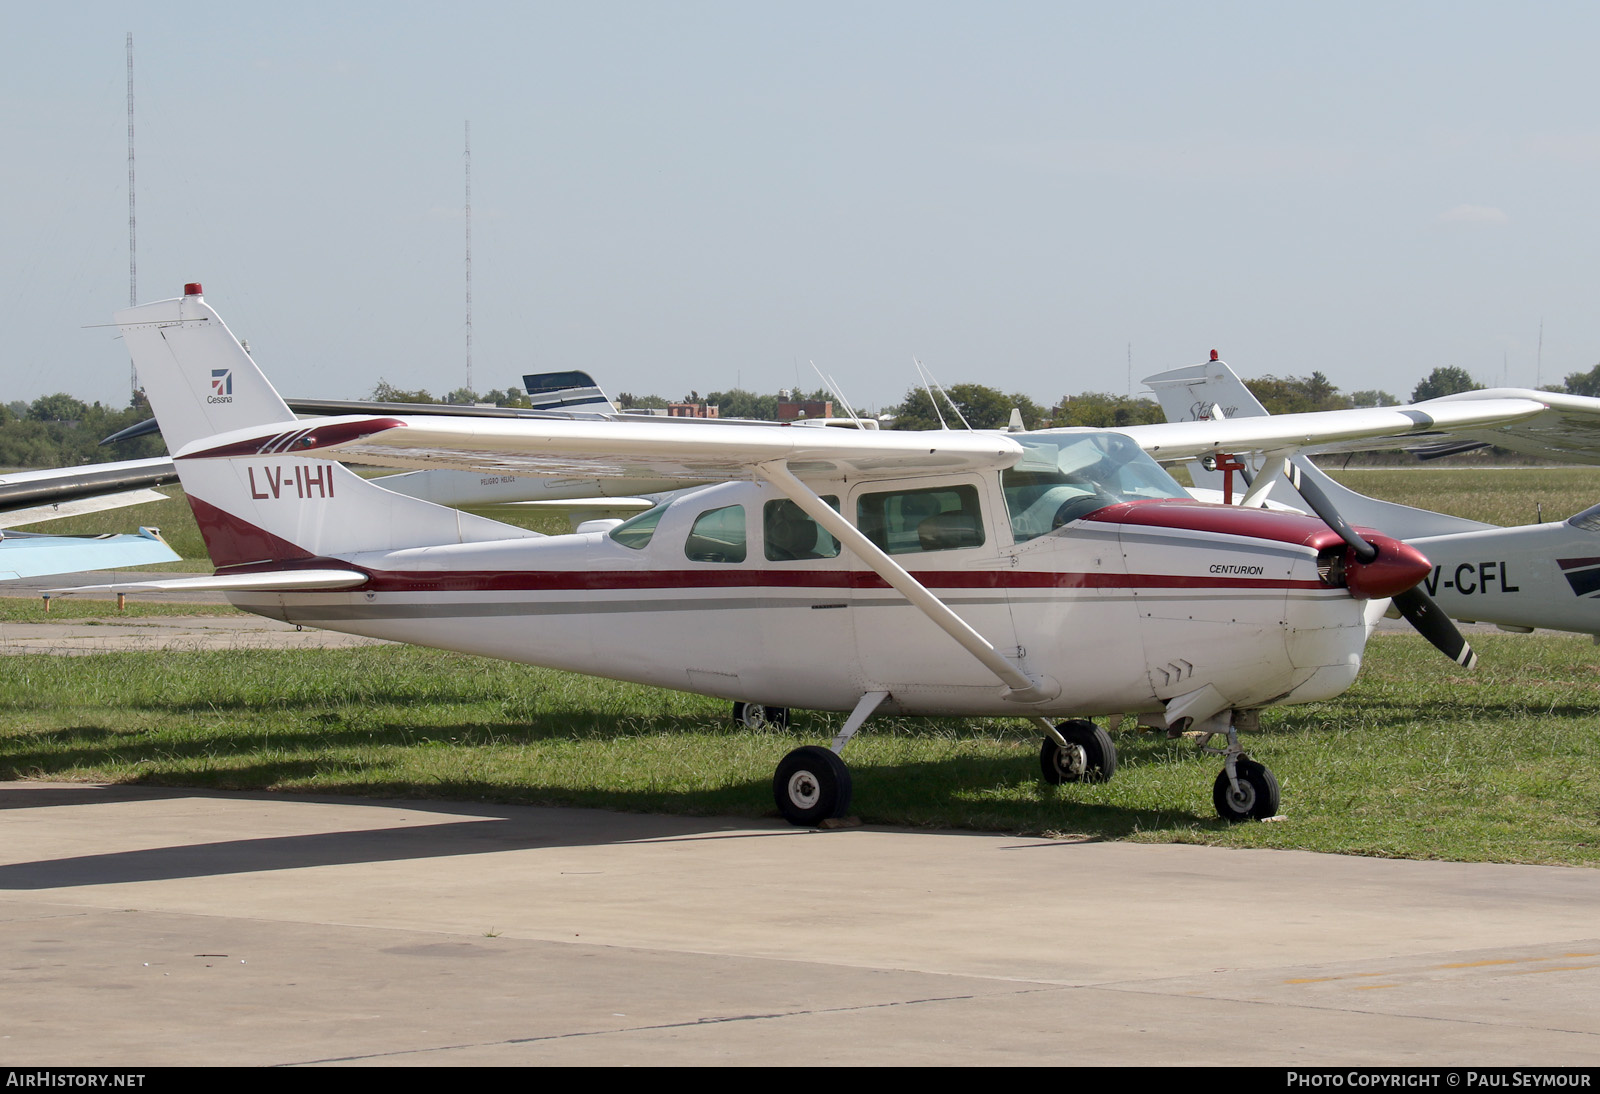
pixel 272 507
pixel 199 379
pixel 1213 390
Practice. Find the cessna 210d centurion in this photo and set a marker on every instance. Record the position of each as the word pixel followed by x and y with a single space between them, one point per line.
pixel 1056 574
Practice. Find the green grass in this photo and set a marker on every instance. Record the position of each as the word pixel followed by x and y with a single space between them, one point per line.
pixel 1522 495
pixel 1418 760
pixel 17 609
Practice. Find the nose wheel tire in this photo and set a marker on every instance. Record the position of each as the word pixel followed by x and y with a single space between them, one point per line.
pixel 811 785
pixel 1257 796
pixel 756 716
pixel 1089 757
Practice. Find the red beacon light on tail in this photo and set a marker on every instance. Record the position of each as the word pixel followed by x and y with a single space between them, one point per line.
pixel 193 289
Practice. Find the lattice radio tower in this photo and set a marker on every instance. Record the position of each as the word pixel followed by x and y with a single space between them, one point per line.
pixel 467 160
pixel 133 235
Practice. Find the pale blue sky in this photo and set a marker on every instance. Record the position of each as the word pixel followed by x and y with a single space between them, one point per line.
pixel 692 195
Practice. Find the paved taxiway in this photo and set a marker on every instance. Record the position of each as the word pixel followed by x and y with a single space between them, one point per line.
pixel 143 926
pixel 155 926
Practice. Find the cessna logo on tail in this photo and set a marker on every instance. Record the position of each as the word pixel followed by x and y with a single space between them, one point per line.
pixel 221 386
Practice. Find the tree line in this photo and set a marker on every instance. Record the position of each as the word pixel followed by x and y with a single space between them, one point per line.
pixel 61 431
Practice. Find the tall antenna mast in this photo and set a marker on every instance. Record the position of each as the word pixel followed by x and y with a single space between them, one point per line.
pixel 133 237
pixel 467 159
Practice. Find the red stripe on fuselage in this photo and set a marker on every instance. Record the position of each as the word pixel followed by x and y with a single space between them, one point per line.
pixel 431 581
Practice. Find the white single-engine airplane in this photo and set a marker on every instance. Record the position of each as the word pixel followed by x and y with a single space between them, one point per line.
pixel 1045 575
pixel 1521 578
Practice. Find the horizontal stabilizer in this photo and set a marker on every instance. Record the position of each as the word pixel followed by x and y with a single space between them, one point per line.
pixel 276 580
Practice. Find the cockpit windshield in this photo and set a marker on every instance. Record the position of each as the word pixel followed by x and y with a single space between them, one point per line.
pixel 1064 476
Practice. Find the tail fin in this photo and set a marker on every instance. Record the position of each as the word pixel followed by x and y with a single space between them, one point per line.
pixel 1213 390
pixel 265 508
pixel 575 391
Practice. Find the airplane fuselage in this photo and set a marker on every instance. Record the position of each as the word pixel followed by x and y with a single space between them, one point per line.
pixel 1138 604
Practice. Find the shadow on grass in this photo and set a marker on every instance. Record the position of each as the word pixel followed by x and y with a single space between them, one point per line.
pixel 998 793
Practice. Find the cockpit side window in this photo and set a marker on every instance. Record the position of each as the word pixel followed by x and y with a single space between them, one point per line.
pixel 717 536
pixel 940 518
pixel 635 532
pixel 1064 476
pixel 790 535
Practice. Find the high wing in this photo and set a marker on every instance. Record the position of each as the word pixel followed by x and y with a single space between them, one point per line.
pixel 1338 430
pixel 1567 431
pixel 679 452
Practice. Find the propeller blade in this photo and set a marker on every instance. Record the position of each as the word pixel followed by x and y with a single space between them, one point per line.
pixel 1423 614
pixel 1324 508
pixel 1414 604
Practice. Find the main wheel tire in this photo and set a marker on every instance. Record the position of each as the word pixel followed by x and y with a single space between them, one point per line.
pixel 1256 799
pixel 1089 757
pixel 811 785
pixel 756 716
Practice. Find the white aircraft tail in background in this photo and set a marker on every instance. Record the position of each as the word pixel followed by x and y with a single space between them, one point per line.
pixel 1522 578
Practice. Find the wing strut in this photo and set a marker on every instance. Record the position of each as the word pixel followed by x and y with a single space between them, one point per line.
pixel 1257 492
pixel 1023 688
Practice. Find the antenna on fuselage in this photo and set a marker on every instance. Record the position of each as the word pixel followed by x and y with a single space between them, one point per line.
pixel 837 393
pixel 933 400
pixel 953 404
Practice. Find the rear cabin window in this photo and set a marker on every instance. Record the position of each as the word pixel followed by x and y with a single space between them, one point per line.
pixel 790 535
pixel 717 536
pixel 941 518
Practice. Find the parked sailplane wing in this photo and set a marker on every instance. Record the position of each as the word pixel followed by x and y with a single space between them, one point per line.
pixel 1521 578
pixel 1048 575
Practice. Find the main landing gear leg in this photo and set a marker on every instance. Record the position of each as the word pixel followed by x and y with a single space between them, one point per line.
pixel 812 784
pixel 1076 752
pixel 756 716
